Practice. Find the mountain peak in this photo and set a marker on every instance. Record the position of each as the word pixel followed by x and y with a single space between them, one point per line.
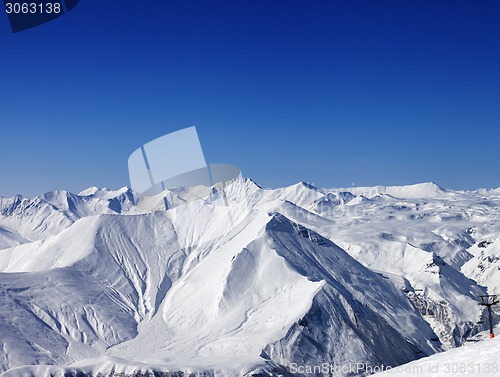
pixel 89 191
pixel 251 182
pixel 305 185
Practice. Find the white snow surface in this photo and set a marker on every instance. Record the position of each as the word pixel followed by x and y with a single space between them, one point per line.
pixel 471 360
pixel 236 279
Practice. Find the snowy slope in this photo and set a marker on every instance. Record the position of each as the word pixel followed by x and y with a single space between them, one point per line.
pixel 212 292
pixel 472 360
pixel 235 278
pixel 9 238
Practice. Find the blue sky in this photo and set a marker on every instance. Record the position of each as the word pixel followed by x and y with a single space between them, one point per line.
pixel 334 93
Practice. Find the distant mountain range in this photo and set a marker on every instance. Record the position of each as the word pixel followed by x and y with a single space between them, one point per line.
pixel 238 280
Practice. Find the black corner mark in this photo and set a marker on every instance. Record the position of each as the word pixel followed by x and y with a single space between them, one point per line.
pixel 26 14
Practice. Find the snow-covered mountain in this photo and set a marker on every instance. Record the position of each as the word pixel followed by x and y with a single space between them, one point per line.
pixel 484 266
pixel 236 279
pixel 24 219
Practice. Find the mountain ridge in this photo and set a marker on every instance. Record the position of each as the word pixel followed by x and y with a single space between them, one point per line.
pixel 130 290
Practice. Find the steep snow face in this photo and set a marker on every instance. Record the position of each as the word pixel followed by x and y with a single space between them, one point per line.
pixel 443 294
pixel 484 267
pixel 62 250
pixel 223 312
pixel 9 238
pixel 367 317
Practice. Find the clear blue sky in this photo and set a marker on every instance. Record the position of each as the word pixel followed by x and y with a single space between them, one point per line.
pixel 329 92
